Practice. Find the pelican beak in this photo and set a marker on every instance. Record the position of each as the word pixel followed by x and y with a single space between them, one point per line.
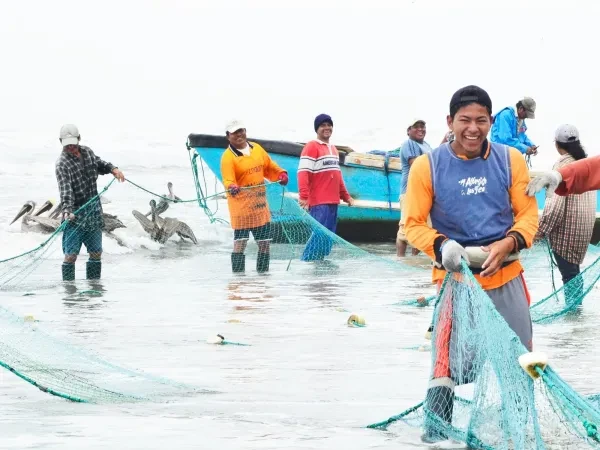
pixel 45 207
pixel 27 207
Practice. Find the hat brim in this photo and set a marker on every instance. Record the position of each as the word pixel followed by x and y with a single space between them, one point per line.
pixel 69 141
pixel 530 114
pixel 418 121
pixel 234 129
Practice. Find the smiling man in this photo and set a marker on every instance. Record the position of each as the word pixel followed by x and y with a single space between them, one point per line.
pixel 244 167
pixel 413 147
pixel 321 186
pixel 474 192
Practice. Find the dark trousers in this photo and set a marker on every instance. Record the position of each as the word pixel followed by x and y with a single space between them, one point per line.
pixel 568 271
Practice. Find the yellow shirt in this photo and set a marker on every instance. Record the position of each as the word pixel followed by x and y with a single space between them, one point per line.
pixel 249 208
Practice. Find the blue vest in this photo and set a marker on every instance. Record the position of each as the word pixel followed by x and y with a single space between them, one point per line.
pixel 471 202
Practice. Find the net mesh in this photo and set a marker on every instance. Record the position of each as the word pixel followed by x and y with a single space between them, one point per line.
pixel 502 406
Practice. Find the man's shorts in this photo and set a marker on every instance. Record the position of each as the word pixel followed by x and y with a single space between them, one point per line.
pixel 401 236
pixel 74 236
pixel 262 233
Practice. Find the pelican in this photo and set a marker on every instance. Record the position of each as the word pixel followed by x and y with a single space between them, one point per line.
pixel 161 229
pixel 163 205
pixel 36 222
pixel 111 222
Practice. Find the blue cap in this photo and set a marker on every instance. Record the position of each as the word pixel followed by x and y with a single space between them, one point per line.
pixel 322 118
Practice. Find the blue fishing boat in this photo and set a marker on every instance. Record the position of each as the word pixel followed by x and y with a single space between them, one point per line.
pixel 373 180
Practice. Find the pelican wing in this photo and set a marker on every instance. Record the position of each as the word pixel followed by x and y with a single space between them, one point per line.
pixel 46 222
pixel 167 228
pixel 185 231
pixel 146 223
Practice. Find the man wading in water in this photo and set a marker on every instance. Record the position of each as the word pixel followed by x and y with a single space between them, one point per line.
pixel 474 192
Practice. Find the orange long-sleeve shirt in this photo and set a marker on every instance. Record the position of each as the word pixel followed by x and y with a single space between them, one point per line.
pixel 580 176
pixel 249 208
pixel 419 198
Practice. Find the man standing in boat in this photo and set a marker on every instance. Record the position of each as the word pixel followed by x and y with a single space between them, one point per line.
pixel 77 170
pixel 321 186
pixel 413 147
pixel 244 167
pixel 474 191
pixel 509 126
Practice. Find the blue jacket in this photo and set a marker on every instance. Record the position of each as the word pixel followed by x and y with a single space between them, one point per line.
pixel 504 130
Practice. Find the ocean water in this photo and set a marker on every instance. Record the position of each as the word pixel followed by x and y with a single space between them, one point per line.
pixel 137 78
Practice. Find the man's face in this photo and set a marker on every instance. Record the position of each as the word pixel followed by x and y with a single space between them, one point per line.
pixel 470 125
pixel 324 131
pixel 417 132
pixel 237 138
pixel 521 113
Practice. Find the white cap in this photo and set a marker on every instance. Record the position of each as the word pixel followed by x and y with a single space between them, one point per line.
pixel 566 133
pixel 69 135
pixel 234 125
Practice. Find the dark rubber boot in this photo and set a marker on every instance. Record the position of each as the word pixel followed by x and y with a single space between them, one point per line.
pixel 93 269
pixel 439 402
pixel 262 262
pixel 68 271
pixel 238 262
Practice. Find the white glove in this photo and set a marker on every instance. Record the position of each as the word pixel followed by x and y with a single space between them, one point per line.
pixel 549 180
pixel 452 252
pixel 68 216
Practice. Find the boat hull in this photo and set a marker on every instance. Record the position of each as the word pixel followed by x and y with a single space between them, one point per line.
pixel 371 180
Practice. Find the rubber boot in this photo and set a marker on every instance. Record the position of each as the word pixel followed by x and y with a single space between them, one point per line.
pixel 238 262
pixel 93 269
pixel 262 262
pixel 68 271
pixel 440 403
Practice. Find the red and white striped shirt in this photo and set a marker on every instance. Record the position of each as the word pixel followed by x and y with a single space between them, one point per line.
pixel 320 179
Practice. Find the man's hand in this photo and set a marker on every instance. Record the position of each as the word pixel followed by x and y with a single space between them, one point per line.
pixel 234 189
pixel 452 253
pixel 498 252
pixel 118 174
pixel 350 201
pixel 532 150
pixel 68 216
pixel 283 178
pixel 549 180
pixel 303 203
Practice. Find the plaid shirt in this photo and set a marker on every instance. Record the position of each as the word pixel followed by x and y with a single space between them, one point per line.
pixel 568 222
pixel 76 178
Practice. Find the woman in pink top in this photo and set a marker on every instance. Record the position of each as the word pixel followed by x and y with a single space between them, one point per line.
pixel 321 186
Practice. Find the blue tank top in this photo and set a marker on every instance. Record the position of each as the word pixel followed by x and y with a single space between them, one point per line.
pixel 471 202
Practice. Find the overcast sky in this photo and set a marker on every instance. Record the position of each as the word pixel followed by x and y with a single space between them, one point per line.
pixel 166 68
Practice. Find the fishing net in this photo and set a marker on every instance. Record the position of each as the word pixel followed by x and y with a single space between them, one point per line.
pixel 480 392
pixel 63 370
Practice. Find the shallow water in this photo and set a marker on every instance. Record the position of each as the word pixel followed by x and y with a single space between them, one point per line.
pixel 306 380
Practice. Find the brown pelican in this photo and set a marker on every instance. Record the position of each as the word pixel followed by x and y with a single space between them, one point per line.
pixel 35 221
pixel 161 229
pixel 48 224
pixel 163 205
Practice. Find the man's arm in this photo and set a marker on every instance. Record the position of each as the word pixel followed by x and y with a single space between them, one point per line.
pixel 525 208
pixel 271 168
pixel 527 141
pixel 419 200
pixel 580 176
pixel 65 190
pixel 505 132
pixel 104 168
pixel 306 168
pixel 227 170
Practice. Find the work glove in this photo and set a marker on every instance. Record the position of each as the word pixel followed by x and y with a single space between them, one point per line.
pixel 234 189
pixel 283 178
pixel 68 216
pixel 452 252
pixel 549 180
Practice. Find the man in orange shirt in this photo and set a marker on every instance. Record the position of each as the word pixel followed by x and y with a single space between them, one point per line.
pixel 244 167
pixel 474 192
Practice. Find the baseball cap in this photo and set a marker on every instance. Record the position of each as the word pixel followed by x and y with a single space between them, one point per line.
pixel 416 121
pixel 566 133
pixel 69 135
pixel 234 125
pixel 529 105
pixel 467 95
